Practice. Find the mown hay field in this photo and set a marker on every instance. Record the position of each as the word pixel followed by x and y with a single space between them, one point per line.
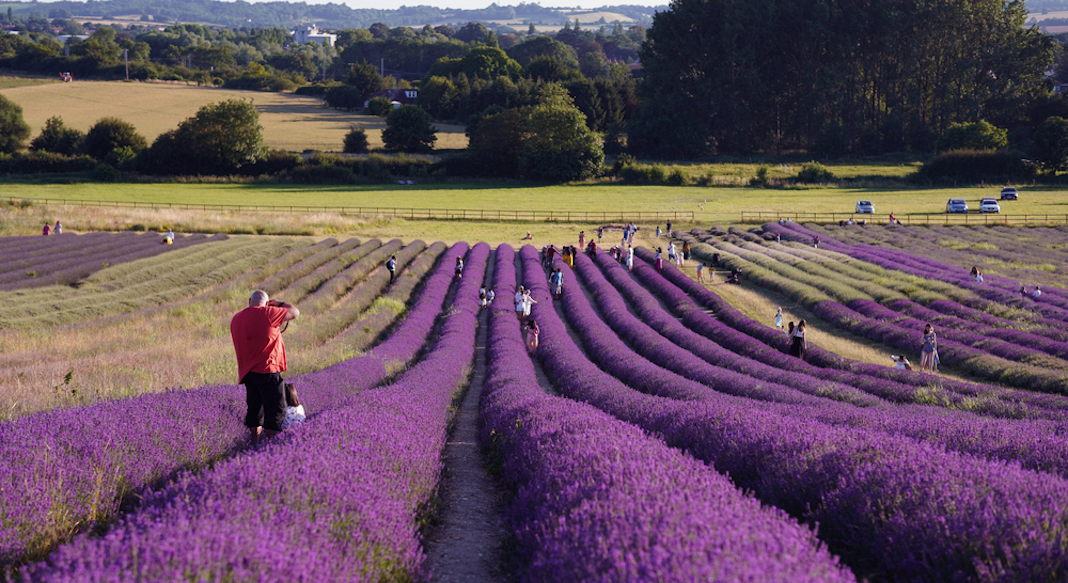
pixel 290 122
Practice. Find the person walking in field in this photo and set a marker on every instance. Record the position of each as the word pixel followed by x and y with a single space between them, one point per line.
pixel 459 268
pixel 582 239
pixel 929 349
pixel 778 319
pixel 658 232
pixel 668 230
pixel 700 277
pixel 630 258
pixel 261 359
pixel 46 230
pixel 556 283
pixel 797 345
pixel 685 250
pixel 391 265
pixel 532 336
pixel 58 229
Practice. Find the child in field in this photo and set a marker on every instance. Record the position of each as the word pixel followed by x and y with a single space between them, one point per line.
pixel 778 319
pixel 532 336
pixel 294 410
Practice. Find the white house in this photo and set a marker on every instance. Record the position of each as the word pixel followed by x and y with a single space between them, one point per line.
pixel 306 33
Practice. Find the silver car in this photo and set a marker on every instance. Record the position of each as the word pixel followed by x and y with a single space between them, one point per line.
pixel 865 207
pixel 989 205
pixel 956 205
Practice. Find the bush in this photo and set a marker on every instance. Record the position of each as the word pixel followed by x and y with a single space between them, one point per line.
pixel 13 129
pixel 57 138
pixel 643 174
pixel 44 163
pixel 380 106
pixel 814 173
pixel 355 141
pixel 976 166
pixel 408 129
pixel 676 178
pixel 316 89
pixel 105 173
pixel 980 135
pixel 325 174
pixel 344 97
pixel 111 133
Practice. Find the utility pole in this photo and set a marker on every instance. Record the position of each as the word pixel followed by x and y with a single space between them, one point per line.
pixel 126 61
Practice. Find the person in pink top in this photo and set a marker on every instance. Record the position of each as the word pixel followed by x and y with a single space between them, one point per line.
pixel 261 358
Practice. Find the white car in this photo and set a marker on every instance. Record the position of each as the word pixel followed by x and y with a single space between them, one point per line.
pixel 865 207
pixel 989 205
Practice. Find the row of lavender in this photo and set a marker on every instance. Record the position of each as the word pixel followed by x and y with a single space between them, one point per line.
pixel 745 336
pixel 994 327
pixel 985 356
pixel 598 500
pixel 1022 256
pixel 1053 304
pixel 69 258
pixel 60 473
pixel 337 498
pixel 890 505
pixel 1034 444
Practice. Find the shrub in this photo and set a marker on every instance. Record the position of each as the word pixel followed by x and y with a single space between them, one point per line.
pixel 643 174
pixel 676 178
pixel 44 162
pixel 328 174
pixel 355 141
pixel 344 97
pixel 380 106
pixel 55 137
pixel 105 173
pixel 13 129
pixel 814 173
pixel 111 133
pixel 408 129
pixel 976 166
pixel 980 135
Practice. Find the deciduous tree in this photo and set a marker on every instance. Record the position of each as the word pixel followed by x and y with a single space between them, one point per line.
pixel 13 129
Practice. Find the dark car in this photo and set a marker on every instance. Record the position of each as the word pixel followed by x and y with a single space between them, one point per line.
pixel 1009 193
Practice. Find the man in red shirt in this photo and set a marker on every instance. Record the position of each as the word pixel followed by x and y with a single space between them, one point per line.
pixel 261 358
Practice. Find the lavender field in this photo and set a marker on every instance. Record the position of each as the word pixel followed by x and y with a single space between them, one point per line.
pixel 657 433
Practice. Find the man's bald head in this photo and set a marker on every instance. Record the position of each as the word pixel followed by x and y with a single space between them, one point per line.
pixel 258 298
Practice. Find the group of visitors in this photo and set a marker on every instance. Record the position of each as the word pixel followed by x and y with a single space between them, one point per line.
pixel 795 339
pixel 48 229
pixel 1036 293
pixel 485 297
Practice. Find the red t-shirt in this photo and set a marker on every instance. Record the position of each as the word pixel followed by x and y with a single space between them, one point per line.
pixel 258 340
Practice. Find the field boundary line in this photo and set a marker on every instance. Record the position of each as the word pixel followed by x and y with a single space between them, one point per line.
pixel 398 212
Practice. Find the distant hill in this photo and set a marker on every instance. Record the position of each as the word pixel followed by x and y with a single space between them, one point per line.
pixel 332 16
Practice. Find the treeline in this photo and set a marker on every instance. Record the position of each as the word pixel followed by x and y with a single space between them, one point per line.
pixel 835 77
pixel 288 14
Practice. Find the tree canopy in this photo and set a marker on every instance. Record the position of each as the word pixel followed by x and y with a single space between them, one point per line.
pixel 13 129
pixel 886 75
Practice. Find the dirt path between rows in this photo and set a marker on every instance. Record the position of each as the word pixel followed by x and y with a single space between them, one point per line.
pixel 467 545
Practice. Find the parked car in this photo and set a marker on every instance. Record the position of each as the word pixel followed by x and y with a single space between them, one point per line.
pixel 989 205
pixel 865 207
pixel 956 205
pixel 1009 193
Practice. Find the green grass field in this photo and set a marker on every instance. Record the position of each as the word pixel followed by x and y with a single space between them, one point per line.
pixel 720 204
pixel 290 122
